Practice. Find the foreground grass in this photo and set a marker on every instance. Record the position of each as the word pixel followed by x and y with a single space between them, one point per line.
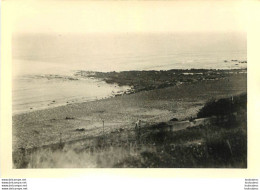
pixel 220 143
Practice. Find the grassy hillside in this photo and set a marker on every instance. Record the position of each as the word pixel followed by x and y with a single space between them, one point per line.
pixel 218 143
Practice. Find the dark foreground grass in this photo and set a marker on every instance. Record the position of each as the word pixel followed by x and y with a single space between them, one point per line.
pixel 198 147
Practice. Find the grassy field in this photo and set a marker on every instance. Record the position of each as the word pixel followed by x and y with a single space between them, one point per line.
pixel 218 141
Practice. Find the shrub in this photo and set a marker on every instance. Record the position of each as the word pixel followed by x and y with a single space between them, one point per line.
pixel 223 106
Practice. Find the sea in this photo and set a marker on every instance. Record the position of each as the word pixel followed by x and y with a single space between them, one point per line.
pixel 44 65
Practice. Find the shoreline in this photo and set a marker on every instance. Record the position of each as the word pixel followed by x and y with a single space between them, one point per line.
pixel 43 127
pixel 46 91
pixel 137 81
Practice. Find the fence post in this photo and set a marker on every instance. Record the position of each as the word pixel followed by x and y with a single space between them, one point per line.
pixel 103 131
pixel 60 140
pixel 103 127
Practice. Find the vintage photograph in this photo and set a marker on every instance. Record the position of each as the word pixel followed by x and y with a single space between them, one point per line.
pixel 129 85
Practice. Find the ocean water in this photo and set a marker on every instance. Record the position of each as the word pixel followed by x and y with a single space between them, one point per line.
pixel 44 64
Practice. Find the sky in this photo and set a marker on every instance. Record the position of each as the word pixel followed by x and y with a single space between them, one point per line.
pixel 126 17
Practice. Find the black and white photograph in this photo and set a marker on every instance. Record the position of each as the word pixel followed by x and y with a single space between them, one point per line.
pixel 129 85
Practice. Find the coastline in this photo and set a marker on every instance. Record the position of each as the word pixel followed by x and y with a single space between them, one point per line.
pixel 82 120
pixel 39 92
